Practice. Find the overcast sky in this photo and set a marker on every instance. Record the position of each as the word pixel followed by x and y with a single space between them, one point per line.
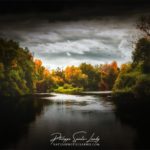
pixel 68 38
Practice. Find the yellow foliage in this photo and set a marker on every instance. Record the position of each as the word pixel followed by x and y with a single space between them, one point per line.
pixel 72 72
pixel 57 79
pixel 124 68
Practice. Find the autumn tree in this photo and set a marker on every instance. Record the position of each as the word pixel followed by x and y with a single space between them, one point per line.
pixel 43 78
pixel 39 69
pixel 109 73
pixel 58 76
pixel 75 76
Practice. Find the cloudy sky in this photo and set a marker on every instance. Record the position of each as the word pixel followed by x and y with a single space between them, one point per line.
pixel 69 37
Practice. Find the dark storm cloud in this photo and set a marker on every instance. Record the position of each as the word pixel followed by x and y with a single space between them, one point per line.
pixel 71 32
pixel 57 43
pixel 91 55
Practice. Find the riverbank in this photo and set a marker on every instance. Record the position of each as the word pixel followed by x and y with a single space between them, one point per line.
pixel 68 89
pixel 128 95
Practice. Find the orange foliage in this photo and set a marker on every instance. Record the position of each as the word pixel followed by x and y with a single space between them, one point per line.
pixel 106 67
pixel 38 62
pixel 72 72
pixel 75 76
pixel 114 65
pixel 109 73
pixel 57 80
pixel 46 73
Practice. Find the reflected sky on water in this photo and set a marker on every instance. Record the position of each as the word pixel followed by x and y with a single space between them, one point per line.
pixel 29 122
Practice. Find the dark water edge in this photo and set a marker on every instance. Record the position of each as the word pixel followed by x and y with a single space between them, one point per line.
pixel 17 114
pixel 135 112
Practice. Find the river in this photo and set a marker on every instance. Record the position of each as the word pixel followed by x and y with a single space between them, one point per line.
pixel 29 122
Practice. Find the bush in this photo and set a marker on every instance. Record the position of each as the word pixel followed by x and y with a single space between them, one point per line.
pixel 68 89
pixel 67 86
pixel 127 80
pixel 142 86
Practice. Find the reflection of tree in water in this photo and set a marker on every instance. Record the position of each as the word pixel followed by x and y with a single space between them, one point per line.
pixel 16 115
pixel 136 114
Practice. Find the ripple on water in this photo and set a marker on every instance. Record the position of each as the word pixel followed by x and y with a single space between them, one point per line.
pixel 80 102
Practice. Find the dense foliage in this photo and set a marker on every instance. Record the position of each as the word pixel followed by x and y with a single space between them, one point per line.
pixel 135 77
pixel 20 74
pixel 92 74
pixel 109 73
pixel 16 69
pixel 42 78
pixel 87 77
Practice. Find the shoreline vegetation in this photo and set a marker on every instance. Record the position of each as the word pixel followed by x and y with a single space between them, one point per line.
pixel 68 89
pixel 21 74
pixel 134 78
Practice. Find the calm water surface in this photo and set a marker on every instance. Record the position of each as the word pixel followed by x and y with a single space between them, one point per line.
pixel 28 123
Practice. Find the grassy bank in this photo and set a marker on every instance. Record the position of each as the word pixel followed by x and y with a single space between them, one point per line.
pixel 68 89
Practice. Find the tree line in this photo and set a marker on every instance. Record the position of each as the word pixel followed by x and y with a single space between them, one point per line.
pixel 21 74
pixel 134 77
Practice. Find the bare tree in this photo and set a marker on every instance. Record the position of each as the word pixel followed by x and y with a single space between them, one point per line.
pixel 143 24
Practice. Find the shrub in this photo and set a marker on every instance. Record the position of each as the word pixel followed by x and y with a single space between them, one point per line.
pixel 142 86
pixel 127 80
pixel 68 89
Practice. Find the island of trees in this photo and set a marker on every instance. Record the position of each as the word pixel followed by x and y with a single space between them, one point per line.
pixel 21 74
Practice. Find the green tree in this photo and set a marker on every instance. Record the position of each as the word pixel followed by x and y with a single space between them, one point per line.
pixel 93 76
pixel 16 69
pixel 141 54
pixel 135 77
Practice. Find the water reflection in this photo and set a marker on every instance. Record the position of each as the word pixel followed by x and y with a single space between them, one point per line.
pixel 27 123
pixel 136 114
pixel 16 115
pixel 82 102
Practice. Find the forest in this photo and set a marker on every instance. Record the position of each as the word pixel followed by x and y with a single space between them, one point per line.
pixel 22 74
